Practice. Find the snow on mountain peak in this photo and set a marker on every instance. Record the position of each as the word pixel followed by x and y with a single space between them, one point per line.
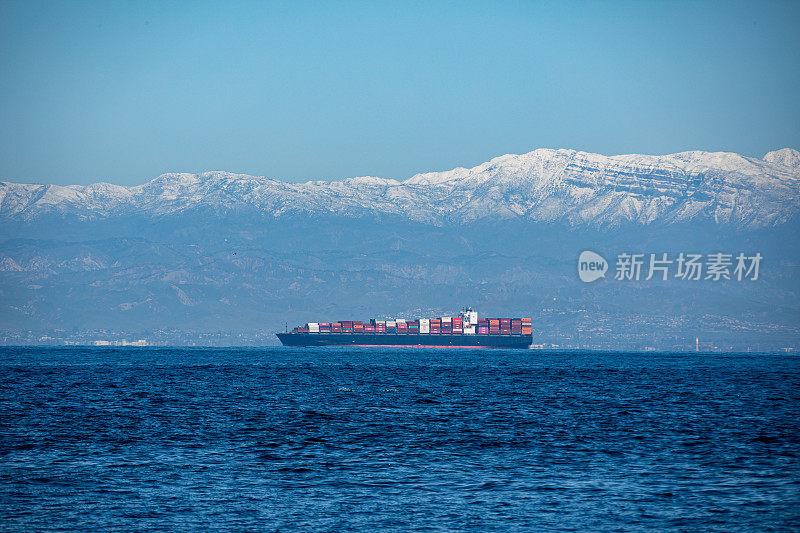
pixel 787 157
pixel 367 181
pixel 577 188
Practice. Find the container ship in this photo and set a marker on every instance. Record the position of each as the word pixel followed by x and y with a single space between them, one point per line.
pixel 463 331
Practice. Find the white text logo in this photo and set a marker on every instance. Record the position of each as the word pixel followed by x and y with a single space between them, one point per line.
pixel 591 266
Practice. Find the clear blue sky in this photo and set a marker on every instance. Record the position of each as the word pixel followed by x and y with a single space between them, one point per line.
pixel 124 91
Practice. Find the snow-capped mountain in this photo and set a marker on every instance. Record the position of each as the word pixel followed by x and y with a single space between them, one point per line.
pixel 569 186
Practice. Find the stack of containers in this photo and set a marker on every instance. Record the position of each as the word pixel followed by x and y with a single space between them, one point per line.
pixel 444 325
pixel 526 326
pixel 447 325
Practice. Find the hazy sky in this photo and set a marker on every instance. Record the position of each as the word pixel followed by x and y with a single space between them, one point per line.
pixel 125 91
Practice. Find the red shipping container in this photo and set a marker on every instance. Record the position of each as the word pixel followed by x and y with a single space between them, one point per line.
pixel 483 330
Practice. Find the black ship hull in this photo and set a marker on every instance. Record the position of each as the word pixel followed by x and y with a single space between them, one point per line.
pixel 406 340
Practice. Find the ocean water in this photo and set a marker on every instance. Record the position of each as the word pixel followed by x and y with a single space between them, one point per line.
pixel 341 439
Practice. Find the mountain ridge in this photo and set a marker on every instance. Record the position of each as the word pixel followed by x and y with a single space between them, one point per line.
pixel 544 185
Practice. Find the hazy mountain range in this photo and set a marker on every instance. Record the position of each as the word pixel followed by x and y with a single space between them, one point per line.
pixel 222 251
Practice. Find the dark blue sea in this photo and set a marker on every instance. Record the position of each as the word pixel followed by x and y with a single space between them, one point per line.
pixel 340 439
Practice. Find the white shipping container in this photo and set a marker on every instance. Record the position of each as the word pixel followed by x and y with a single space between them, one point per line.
pixel 470 330
pixel 391 323
pixel 446 319
pixel 425 328
pixel 401 320
pixel 313 327
pixel 424 322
